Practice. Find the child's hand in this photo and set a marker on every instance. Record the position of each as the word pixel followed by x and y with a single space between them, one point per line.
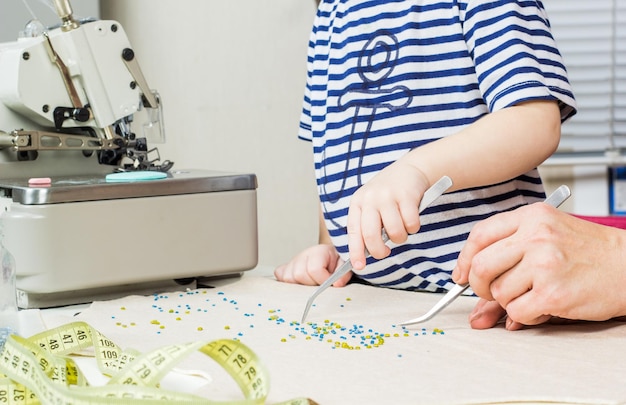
pixel 312 266
pixel 391 201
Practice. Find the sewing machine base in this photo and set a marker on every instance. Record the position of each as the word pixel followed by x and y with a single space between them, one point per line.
pixel 78 240
pixel 27 299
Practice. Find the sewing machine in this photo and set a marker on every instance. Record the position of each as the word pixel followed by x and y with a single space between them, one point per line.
pixel 76 110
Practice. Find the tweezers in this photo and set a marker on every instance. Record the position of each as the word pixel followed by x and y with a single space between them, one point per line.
pixel 434 192
pixel 555 199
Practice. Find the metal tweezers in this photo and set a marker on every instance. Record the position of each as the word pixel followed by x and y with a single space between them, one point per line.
pixel 434 192
pixel 555 199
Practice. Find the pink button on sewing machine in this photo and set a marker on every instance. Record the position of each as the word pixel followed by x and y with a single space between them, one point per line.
pixel 39 181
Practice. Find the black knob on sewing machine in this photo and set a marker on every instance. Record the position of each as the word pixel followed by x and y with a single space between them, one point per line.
pixel 61 114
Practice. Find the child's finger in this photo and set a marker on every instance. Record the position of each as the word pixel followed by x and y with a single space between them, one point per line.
pixel 394 226
pixel 410 216
pixel 344 280
pixel 372 233
pixel 356 246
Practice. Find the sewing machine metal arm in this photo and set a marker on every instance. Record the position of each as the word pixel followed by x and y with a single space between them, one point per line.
pixel 21 141
pixel 24 143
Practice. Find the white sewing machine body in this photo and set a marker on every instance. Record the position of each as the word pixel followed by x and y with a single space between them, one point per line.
pixel 70 99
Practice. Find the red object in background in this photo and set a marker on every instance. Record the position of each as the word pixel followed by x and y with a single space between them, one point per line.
pixel 614 221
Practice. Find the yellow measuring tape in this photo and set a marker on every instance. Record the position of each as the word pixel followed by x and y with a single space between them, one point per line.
pixel 38 370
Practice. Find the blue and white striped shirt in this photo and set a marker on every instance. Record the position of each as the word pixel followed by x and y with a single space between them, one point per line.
pixel 386 76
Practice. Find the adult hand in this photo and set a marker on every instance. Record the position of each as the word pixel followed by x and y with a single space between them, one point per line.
pixel 537 262
pixel 312 266
pixel 390 200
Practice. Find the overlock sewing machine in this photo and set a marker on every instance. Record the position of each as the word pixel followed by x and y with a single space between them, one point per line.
pixel 90 210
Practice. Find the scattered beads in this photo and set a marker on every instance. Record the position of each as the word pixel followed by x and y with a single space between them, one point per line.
pixel 354 337
pixel 338 335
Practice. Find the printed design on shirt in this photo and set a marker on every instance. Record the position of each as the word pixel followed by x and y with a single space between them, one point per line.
pixel 376 62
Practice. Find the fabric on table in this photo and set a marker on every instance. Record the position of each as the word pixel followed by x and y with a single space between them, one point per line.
pixel 574 363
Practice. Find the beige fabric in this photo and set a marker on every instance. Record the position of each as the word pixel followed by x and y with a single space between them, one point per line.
pixel 576 363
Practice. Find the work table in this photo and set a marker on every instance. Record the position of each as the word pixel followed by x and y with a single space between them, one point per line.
pixel 351 350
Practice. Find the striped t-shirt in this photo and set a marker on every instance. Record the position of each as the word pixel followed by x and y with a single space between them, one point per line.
pixel 387 76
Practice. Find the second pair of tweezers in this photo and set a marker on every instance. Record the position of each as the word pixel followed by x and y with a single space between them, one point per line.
pixel 555 199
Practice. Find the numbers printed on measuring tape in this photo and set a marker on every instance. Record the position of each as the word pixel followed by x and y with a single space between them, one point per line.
pixel 243 366
pixel 15 394
pixel 38 370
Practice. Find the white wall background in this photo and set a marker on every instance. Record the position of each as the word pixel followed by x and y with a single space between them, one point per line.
pixel 231 75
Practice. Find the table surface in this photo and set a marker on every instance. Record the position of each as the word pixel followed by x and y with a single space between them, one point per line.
pixel 363 356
